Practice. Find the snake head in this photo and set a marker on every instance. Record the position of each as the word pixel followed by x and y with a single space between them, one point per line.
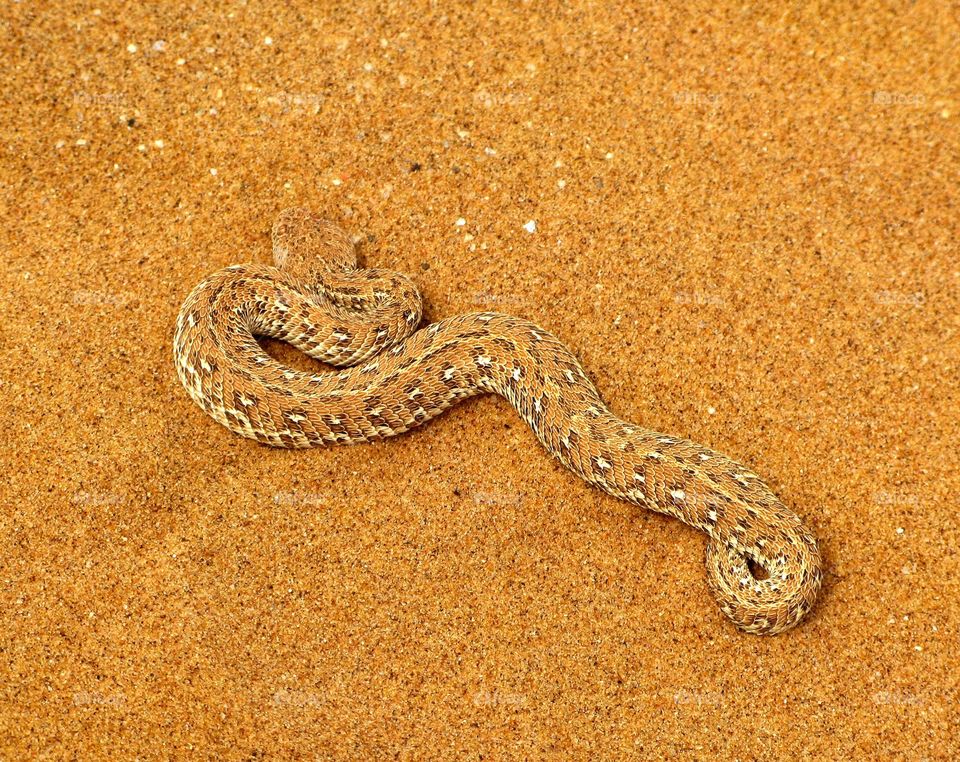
pixel 304 242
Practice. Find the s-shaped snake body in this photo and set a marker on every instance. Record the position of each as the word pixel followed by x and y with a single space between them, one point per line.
pixel 763 564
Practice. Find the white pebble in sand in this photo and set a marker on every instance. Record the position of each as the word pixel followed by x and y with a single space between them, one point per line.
pixel 530 226
pixel 460 222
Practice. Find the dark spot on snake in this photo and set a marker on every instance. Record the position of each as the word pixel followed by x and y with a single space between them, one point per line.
pixel 238 400
pixel 758 572
pixel 446 380
pixel 596 430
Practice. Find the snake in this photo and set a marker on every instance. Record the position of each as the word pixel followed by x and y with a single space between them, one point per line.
pixel 390 375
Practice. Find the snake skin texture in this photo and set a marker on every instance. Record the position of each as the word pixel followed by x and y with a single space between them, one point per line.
pixel 763 564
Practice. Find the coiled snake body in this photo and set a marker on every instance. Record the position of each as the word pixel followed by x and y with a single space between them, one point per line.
pixel 763 564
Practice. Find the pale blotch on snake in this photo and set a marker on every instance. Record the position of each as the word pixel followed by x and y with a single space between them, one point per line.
pixel 763 564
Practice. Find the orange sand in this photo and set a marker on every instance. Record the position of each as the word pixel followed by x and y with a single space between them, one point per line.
pixel 746 227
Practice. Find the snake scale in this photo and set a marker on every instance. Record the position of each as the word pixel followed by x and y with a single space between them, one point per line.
pixel 763 564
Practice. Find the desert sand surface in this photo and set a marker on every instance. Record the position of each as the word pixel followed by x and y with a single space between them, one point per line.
pixel 743 220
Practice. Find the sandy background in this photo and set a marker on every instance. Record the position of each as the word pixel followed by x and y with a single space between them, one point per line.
pixel 745 226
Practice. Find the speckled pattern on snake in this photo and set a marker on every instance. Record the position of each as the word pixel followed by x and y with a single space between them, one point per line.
pixel 763 564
